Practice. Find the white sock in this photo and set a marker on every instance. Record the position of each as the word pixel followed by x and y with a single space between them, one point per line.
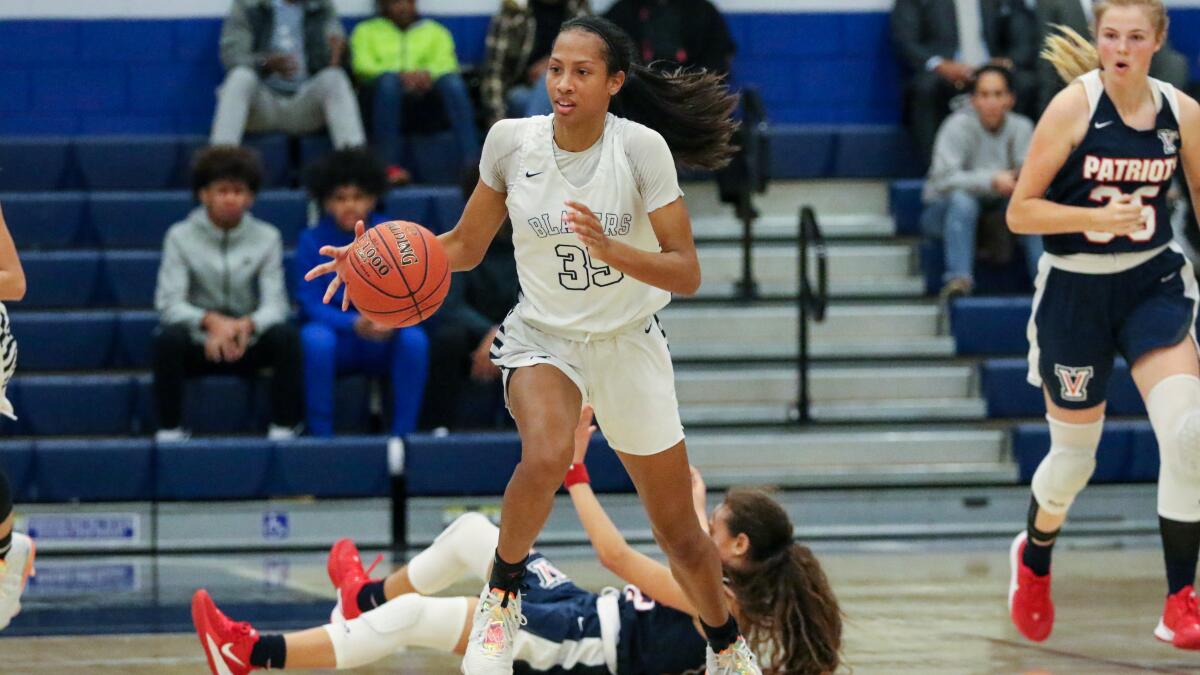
pixel 466 547
pixel 409 620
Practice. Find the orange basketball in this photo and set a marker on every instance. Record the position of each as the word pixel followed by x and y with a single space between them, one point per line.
pixel 398 274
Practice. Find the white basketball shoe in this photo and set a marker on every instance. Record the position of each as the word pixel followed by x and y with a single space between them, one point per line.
pixel 495 626
pixel 15 570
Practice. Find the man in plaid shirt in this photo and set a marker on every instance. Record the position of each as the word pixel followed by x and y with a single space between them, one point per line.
pixel 519 40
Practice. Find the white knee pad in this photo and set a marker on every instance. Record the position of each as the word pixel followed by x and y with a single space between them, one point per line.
pixel 410 620
pixel 466 547
pixel 1066 470
pixel 1174 408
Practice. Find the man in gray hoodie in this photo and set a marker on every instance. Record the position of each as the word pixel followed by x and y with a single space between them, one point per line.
pixel 221 297
pixel 284 61
pixel 976 157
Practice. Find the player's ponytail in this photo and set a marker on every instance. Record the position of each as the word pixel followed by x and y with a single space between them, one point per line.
pixel 692 109
pixel 788 611
pixel 1072 54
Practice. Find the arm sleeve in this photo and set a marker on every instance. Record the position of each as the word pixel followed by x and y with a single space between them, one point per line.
pixel 653 167
pixel 948 172
pixel 491 85
pixel 906 27
pixel 170 294
pixel 364 60
pixel 442 60
pixel 272 293
pixel 237 39
pixel 310 293
pixel 499 153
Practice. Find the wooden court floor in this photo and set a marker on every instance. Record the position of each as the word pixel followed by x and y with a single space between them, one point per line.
pixel 908 610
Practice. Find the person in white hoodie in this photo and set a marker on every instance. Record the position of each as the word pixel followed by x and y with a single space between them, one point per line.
pixel 221 297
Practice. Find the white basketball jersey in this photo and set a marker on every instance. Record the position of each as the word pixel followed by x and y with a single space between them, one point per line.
pixel 563 290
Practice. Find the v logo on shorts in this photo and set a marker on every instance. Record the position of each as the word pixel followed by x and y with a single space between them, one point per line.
pixel 1074 381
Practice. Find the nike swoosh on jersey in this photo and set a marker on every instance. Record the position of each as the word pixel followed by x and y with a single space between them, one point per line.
pixel 531 175
pixel 217 659
pixel 1168 277
pixel 1101 125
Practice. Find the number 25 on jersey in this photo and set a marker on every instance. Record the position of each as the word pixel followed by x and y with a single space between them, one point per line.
pixel 1106 193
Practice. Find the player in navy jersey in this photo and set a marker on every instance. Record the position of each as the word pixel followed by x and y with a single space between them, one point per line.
pixel 17 549
pixel 776 586
pixel 1111 282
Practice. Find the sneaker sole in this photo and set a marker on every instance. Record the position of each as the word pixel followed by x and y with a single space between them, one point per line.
pixel 1013 550
pixel 1164 634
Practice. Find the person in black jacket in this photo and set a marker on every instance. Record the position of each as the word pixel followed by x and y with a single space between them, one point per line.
pixel 943 42
pixel 691 33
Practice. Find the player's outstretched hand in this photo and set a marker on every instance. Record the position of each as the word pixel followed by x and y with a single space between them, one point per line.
pixel 337 265
pixel 1122 215
pixel 583 433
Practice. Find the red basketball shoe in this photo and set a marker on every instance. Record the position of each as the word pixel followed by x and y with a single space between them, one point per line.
pixel 1029 602
pixel 1180 622
pixel 227 644
pixel 347 575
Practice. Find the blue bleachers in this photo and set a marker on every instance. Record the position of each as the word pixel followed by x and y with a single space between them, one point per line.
pixel 1128 451
pixel 46 220
pixel 136 219
pixel 94 470
pixel 62 279
pixel 34 163
pixel 128 162
pixel 983 325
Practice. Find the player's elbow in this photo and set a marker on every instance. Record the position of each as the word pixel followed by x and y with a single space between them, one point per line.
pixel 14 287
pixel 612 558
pixel 689 282
pixel 1017 218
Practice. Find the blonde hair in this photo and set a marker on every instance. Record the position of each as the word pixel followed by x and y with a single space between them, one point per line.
pixel 1072 55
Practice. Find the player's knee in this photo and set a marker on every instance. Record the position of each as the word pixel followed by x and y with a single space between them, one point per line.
pixel 683 543
pixel 545 462
pixel 470 526
pixel 1065 471
pixel 241 79
pixel 1174 409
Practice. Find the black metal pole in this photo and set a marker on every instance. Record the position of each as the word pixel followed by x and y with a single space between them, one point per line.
pixel 803 415
pixel 747 288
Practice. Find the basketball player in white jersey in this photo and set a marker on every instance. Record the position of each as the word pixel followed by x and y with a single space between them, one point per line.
pixel 16 549
pixel 602 240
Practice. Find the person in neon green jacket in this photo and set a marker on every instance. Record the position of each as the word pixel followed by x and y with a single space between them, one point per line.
pixel 398 53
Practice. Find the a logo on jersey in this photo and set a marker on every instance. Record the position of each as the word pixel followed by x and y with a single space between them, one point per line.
pixel 615 224
pixel 1074 381
pixel 1129 170
pixel 548 575
pixel 1169 138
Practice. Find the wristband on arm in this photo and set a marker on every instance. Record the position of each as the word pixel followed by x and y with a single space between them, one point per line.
pixel 575 475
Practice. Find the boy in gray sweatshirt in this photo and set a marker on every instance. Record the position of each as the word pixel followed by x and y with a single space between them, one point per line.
pixel 221 297
pixel 976 157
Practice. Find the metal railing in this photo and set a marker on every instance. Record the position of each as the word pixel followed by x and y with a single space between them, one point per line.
pixel 809 304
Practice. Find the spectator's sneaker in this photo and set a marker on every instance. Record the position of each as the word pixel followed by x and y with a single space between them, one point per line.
pixel 490 646
pixel 227 644
pixel 1180 622
pixel 347 575
pixel 1029 602
pixel 15 570
pixel 736 659
pixel 176 435
pixel 398 175
pixel 279 433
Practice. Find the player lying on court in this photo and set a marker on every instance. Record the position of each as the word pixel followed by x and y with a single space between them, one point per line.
pixel 602 238
pixel 776 587
pixel 1095 186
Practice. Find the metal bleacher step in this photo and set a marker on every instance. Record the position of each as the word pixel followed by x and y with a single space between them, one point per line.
pixel 766 395
pixel 768 331
pixel 865 455
pixel 874 270
pixel 782 227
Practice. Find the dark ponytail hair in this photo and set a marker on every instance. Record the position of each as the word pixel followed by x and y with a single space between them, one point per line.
pixel 789 613
pixel 692 109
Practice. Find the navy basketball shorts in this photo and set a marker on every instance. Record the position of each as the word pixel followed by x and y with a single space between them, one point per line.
pixel 1080 321
pixel 562 625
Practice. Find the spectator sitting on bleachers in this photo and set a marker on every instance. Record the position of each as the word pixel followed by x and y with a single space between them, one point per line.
pixel 461 367
pixel 978 152
pixel 1167 65
pixel 943 42
pixel 519 39
pixel 221 296
pixel 348 184
pixel 691 33
pixel 283 58
pixel 398 54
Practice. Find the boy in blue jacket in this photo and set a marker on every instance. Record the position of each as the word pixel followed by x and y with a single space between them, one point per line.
pixel 347 184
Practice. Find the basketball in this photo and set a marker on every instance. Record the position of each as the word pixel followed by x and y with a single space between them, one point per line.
pixel 398 274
